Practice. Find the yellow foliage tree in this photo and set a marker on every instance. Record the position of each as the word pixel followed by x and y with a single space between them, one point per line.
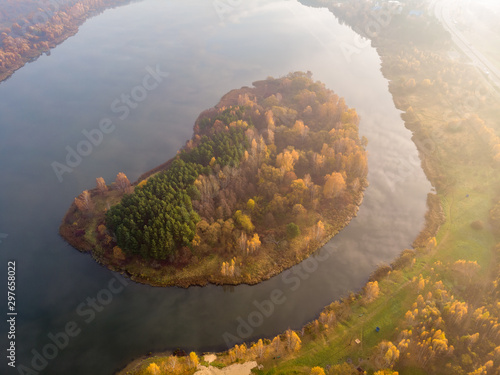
pixel 153 369
pixel 386 354
pixel 193 360
pixel 334 184
pixel 286 160
pixel 293 341
pixel 258 349
pixel 244 221
pixel 142 183
pixel 317 371
pixel 250 204
pixel 269 120
pixel 228 268
pixel 319 230
pixel 371 291
pixel 253 244
pixel 421 284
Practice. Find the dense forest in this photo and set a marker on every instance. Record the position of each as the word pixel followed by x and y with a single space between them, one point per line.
pixel 270 173
pixel 29 28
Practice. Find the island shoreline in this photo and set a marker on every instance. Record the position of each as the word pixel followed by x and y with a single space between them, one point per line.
pixel 335 221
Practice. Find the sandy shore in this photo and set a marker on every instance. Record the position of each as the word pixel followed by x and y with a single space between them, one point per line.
pixel 236 369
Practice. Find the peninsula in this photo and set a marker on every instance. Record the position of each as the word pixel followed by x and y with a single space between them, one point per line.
pixel 271 173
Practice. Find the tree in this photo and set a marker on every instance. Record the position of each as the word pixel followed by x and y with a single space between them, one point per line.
pixel 292 340
pixel 270 136
pixel 171 363
pixel 334 184
pixel 244 221
pixel 276 344
pixel 258 348
pixel 193 360
pixel 299 210
pixel 299 191
pixel 292 230
pixel 269 120
pixel 84 201
pixel 277 205
pixel 250 204
pixel 317 371
pixel 286 160
pixel 357 164
pixel 371 292
pixel 101 185
pixel 153 369
pixel 226 237
pixel 228 268
pixel 386 354
pixel 242 241
pixel 319 230
pixel 122 183
pixel 254 244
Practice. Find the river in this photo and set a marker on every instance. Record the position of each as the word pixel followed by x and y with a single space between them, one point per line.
pixel 197 54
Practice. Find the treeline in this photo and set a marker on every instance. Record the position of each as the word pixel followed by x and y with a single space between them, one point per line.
pixel 29 28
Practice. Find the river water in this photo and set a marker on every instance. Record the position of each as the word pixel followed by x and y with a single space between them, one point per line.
pixel 45 106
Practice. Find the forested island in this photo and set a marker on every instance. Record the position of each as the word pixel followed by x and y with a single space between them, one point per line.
pixel 271 173
pixel 29 28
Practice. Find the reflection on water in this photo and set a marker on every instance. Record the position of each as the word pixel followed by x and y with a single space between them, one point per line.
pixel 45 106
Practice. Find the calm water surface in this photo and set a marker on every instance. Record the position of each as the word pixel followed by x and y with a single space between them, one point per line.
pixel 45 106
